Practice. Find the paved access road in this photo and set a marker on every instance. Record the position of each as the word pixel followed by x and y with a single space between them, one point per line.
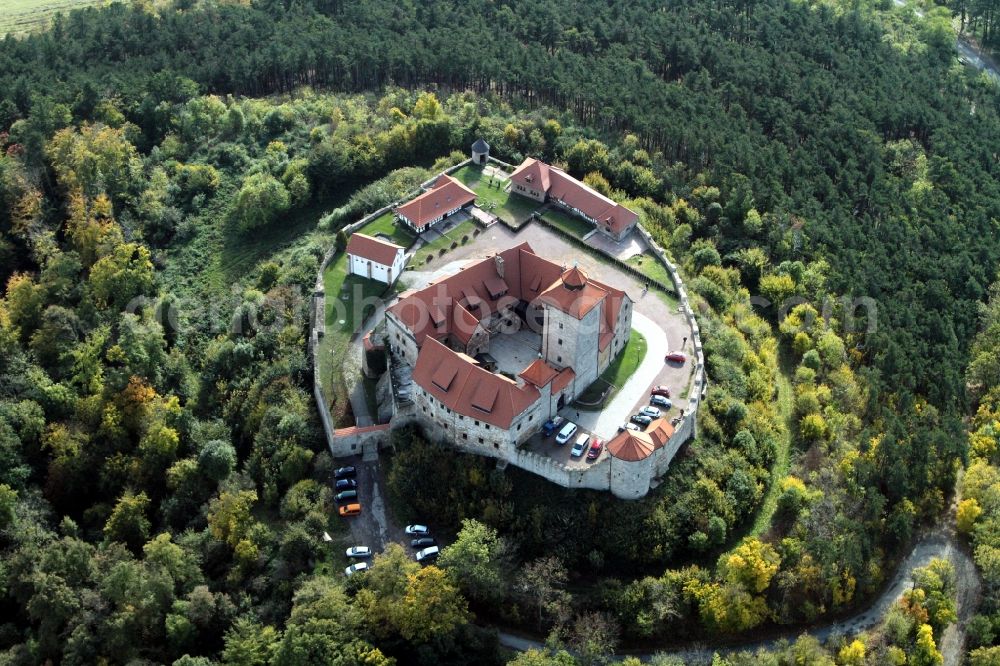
pixel 938 544
pixel 636 390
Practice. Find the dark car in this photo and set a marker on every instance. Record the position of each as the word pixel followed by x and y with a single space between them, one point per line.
pixel 344 472
pixel 423 542
pixel 346 484
pixel 642 419
pixel 660 390
pixel 596 446
pixel 346 496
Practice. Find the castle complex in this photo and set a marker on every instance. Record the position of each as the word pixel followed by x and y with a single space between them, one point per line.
pixel 445 331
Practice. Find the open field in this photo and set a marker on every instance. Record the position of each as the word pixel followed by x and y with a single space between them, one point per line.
pixel 23 16
pixel 492 197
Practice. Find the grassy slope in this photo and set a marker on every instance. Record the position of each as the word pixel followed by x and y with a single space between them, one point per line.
pixel 22 16
pixel 782 458
pixel 571 225
pixel 386 226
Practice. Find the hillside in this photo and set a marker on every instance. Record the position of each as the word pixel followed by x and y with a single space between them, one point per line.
pixel 172 176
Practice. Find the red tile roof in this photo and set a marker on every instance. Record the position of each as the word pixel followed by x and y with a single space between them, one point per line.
pixel 354 430
pixel 539 373
pixel 373 249
pixel 446 195
pixel 560 186
pixel 574 294
pixel 660 431
pixel 532 174
pixel 631 445
pixel 566 375
pixel 468 389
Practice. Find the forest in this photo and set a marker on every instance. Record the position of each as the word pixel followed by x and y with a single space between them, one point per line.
pixel 163 476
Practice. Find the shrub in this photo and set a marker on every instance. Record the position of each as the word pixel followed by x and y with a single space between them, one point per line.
pixel 465 239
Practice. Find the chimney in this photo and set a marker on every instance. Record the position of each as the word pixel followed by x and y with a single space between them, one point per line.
pixel 499 262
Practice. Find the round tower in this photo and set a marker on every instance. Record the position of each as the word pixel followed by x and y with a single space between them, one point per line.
pixel 480 152
pixel 631 464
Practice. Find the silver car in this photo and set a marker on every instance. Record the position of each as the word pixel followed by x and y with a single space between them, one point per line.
pixel 651 412
pixel 354 568
pixel 359 551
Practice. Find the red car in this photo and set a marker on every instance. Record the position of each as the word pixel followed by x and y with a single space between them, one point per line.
pixel 596 447
pixel 676 357
pixel 660 390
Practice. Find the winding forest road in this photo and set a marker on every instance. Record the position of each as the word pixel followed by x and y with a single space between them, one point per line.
pixel 940 543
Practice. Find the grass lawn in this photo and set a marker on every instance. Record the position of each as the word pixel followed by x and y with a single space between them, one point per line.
pixel 621 368
pixel 651 267
pixel 343 316
pixel 22 16
pixel 386 226
pixel 433 249
pixel 513 208
pixel 571 225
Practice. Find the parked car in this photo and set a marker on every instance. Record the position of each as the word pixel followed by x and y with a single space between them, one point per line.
pixel 580 445
pixel 632 426
pixel 344 472
pixel 359 551
pixel 345 484
pixel 675 357
pixel 659 401
pixel 346 496
pixel 596 446
pixel 421 530
pixel 428 554
pixel 651 412
pixel 642 419
pixel 660 390
pixel 349 510
pixel 552 425
pixel 423 542
pixel 356 567
pixel 566 433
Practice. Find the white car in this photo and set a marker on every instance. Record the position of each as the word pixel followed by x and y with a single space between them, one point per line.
pixel 651 412
pixel 566 433
pixel 428 554
pixel 359 551
pixel 632 426
pixel 420 530
pixel 660 401
pixel 354 568
pixel 580 446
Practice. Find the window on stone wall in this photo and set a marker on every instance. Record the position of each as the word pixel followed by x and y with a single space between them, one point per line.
pixel 465 436
pixel 496 446
pixel 560 340
pixel 477 422
pixel 518 426
pixel 480 440
pixel 487 426
pixel 558 359
pixel 560 326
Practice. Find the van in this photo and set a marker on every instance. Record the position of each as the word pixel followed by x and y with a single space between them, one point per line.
pixel 566 433
pixel 346 495
pixel 581 445
pixel 350 510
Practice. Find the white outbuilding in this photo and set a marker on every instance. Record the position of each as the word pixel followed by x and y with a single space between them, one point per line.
pixel 374 258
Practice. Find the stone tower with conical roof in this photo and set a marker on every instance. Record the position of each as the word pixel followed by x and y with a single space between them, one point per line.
pixel 480 152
